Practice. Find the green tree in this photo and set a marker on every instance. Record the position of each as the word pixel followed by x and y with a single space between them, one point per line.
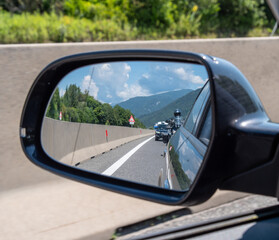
pixel 54 105
pixel 92 103
pixel 100 115
pixel 19 6
pixel 119 113
pixel 72 96
pixel 86 115
pixel 109 114
pixel 71 115
pixel 241 16
pixel 151 13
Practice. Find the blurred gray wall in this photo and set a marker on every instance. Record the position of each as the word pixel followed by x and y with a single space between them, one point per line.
pixel 257 58
pixel 71 142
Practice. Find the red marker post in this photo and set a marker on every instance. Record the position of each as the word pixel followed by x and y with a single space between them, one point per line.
pixel 106 135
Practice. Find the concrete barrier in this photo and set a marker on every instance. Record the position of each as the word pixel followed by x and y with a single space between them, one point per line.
pixel 71 143
pixel 257 58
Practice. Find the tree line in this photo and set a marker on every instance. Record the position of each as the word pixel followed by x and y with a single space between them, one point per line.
pixel 77 106
pixel 109 20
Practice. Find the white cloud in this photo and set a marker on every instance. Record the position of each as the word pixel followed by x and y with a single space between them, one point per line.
pixel 172 77
pixel 106 67
pixel 146 75
pixel 127 67
pixel 187 75
pixel 132 91
pixel 197 80
pixel 90 85
pixel 181 73
pixel 162 68
pixel 113 73
pixel 113 81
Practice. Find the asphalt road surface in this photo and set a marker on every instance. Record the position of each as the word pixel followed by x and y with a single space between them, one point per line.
pixel 140 160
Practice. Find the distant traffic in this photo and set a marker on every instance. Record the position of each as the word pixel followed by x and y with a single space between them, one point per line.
pixel 165 129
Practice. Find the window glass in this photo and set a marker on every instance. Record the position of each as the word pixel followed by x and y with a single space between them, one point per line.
pixel 205 134
pixel 200 115
pixel 193 116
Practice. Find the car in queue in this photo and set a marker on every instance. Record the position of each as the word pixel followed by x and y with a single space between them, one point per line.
pixel 161 131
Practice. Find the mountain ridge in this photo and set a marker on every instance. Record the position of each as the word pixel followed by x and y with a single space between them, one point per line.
pixel 183 103
pixel 144 105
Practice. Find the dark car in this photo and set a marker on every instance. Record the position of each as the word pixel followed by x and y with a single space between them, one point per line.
pixel 187 147
pixel 162 131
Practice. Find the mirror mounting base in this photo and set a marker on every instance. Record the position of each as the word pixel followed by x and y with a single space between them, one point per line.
pixel 261 180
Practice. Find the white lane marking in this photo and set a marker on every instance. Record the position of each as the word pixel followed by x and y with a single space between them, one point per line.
pixel 168 169
pixel 111 170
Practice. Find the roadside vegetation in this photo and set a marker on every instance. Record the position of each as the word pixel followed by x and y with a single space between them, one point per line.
pixel 39 21
pixel 77 106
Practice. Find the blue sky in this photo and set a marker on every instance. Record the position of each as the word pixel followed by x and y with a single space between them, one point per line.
pixel 115 82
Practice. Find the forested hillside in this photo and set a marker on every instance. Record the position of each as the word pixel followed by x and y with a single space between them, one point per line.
pixel 76 106
pixel 149 104
pixel 184 104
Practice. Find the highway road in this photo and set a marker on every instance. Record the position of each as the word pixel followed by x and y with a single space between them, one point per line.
pixel 140 160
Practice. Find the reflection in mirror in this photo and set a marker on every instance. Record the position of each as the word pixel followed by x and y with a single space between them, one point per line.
pixel 143 121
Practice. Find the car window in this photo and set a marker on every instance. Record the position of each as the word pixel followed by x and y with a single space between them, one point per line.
pixel 201 116
pixel 193 117
pixel 205 133
pixel 177 139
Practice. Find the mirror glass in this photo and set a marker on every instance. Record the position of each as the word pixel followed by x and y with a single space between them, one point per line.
pixel 143 121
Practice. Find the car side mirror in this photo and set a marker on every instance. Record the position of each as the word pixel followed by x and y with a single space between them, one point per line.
pixel 99 118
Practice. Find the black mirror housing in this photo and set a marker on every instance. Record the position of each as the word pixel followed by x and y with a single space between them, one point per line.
pixel 243 146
